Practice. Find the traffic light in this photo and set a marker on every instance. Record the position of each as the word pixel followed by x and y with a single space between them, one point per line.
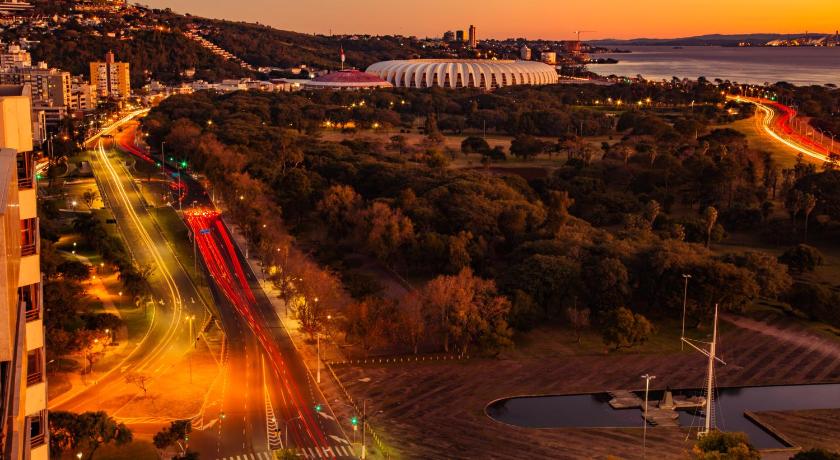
pixel 222 415
pixel 354 421
pixel 317 408
pixel 183 164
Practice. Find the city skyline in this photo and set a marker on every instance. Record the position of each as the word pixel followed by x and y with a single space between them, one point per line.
pixel 495 18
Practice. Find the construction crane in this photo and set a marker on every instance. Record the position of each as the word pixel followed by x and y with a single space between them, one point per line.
pixel 578 32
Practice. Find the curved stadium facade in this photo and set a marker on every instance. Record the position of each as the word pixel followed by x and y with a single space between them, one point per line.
pixel 463 73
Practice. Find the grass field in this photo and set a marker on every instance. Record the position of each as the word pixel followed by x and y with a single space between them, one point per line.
pixel 453 142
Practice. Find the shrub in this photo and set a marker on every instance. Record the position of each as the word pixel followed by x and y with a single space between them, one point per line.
pixel 802 258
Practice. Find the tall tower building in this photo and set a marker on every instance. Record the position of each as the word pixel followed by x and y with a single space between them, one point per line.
pixel 110 78
pixel 22 357
pixel 525 53
pixel 460 36
pixel 473 37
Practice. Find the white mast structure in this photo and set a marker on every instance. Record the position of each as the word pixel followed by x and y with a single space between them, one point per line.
pixel 711 354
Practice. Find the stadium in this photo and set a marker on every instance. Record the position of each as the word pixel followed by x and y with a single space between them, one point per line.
pixel 463 73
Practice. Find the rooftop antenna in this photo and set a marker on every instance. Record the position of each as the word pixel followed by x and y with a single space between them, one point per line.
pixel 711 353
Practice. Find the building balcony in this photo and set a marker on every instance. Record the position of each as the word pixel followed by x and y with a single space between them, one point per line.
pixel 25 170
pixel 28 237
pixel 28 249
pixel 37 437
pixel 30 297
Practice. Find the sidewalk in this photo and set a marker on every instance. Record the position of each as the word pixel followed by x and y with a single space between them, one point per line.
pixel 330 389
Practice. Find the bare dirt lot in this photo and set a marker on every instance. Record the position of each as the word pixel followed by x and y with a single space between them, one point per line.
pixel 436 411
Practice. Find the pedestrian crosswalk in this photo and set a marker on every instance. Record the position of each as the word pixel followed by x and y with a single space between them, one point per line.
pixel 302 452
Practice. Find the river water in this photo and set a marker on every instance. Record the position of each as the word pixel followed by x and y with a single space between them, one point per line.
pixel 800 66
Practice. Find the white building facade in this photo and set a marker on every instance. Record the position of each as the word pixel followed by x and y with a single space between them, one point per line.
pixel 463 73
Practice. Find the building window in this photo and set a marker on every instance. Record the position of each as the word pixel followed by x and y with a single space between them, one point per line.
pixel 30 297
pixel 25 170
pixel 34 367
pixel 29 236
pixel 37 429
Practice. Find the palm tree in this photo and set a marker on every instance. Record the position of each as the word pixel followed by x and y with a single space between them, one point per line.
pixel 711 216
pixel 89 196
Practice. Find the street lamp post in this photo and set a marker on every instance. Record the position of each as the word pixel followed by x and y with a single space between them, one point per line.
pixel 286 431
pixel 647 378
pixel 318 372
pixel 181 165
pixel 318 347
pixel 162 160
pixel 685 301
pixel 191 318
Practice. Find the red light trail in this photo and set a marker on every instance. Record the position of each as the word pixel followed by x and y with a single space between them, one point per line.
pixel 217 250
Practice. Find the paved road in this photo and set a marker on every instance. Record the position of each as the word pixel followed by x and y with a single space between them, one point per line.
pixel 293 396
pixel 169 336
pixel 234 420
pixel 267 399
pixel 775 123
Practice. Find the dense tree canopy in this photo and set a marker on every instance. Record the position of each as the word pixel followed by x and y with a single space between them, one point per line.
pixel 608 228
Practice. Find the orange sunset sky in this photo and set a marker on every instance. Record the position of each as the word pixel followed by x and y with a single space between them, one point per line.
pixel 551 19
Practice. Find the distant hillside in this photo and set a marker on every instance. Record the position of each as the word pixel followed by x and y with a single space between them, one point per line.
pixel 700 40
pixel 153 42
pixel 265 46
pixel 154 50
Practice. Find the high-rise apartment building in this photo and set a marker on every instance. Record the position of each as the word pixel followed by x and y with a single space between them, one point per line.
pixel 49 88
pixel 15 56
pixel 449 36
pixel 83 96
pixel 110 78
pixel 473 37
pixel 525 53
pixel 461 36
pixel 22 359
